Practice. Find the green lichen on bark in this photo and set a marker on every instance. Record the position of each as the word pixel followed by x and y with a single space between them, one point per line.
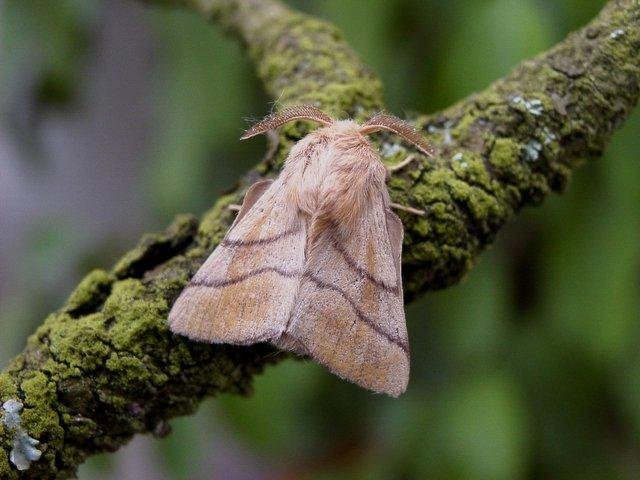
pixel 89 381
pixel 298 58
pixel 105 367
pixel 518 140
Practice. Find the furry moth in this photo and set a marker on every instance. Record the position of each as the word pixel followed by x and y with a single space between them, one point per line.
pixel 312 260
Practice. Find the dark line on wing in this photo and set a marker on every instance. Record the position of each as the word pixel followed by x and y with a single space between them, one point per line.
pixel 227 242
pixel 231 281
pixel 359 313
pixel 395 289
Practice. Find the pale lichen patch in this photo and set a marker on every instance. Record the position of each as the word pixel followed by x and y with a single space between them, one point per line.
pixel 24 450
pixel 445 131
pixel 389 150
pixel 548 136
pixel 532 150
pixel 534 106
pixel 617 34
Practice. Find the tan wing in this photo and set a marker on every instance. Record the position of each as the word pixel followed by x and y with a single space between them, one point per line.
pixel 245 290
pixel 349 315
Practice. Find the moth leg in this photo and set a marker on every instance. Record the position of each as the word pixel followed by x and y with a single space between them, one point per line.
pixel 234 207
pixel 394 168
pixel 404 208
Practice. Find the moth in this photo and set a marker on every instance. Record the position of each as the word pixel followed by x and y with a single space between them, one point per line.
pixel 312 261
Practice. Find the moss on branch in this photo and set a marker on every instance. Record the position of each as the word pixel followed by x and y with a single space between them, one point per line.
pixel 105 367
pixel 510 145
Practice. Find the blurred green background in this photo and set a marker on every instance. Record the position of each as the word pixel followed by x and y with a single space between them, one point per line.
pixel 115 117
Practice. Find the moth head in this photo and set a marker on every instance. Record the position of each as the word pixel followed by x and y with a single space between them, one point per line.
pixel 275 120
pixel 384 121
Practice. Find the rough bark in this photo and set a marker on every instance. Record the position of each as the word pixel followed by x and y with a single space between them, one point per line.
pixel 105 367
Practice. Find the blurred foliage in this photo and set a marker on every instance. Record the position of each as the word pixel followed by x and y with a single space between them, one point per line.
pixel 529 369
pixel 204 91
pixel 39 36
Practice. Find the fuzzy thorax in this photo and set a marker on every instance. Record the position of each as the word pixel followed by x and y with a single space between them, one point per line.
pixel 332 174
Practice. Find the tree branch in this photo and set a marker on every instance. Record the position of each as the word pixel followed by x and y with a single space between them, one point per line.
pixel 105 367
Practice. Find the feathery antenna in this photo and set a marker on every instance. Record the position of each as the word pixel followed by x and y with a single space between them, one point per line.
pixel 384 121
pixel 298 112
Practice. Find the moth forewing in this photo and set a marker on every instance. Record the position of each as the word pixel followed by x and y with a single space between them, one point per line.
pixel 349 313
pixel 244 291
